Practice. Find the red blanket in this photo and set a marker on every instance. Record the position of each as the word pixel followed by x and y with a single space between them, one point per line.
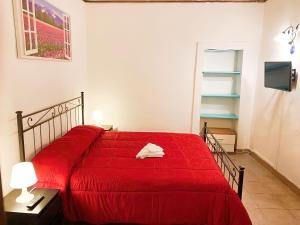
pixel 108 185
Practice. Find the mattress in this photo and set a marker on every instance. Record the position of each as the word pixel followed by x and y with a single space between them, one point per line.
pixel 107 184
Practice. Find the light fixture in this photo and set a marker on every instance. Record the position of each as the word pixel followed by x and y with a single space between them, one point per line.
pixel 291 34
pixel 97 117
pixel 22 177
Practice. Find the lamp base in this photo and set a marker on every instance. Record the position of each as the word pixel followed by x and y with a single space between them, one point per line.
pixel 25 196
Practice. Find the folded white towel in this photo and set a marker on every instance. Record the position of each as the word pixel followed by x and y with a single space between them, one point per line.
pixel 153 148
pixel 150 155
pixel 150 150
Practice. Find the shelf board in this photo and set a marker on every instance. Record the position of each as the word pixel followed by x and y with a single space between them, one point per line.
pixel 221 50
pixel 220 116
pixel 220 73
pixel 232 95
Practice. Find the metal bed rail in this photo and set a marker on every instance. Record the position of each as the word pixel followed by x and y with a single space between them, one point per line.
pixel 233 173
pixel 46 125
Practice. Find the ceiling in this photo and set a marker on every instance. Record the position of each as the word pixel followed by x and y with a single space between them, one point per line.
pixel 101 1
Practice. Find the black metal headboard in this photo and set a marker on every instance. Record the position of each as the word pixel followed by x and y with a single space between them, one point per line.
pixel 54 120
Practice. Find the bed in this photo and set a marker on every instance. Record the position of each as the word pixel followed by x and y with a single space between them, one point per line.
pixel 101 182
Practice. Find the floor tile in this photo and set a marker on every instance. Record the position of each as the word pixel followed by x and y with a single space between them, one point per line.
pixel 254 187
pixel 289 202
pixel 278 217
pixel 296 214
pixel 267 199
pixel 247 199
pixel 257 218
pixel 277 187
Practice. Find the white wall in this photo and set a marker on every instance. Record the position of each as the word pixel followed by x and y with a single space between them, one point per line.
pixel 31 84
pixel 143 70
pixel 276 129
pixel 142 59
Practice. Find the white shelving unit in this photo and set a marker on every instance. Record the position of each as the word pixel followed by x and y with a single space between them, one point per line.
pixel 220 98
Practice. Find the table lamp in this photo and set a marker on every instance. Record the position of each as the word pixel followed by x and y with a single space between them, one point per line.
pixel 22 177
pixel 97 117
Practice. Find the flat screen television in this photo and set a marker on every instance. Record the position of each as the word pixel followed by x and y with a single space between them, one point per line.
pixel 278 75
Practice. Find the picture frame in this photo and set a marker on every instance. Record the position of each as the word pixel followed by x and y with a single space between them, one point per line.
pixel 42 31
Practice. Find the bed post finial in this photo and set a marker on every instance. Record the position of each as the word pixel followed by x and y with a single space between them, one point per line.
pixel 241 181
pixel 21 135
pixel 205 131
pixel 82 107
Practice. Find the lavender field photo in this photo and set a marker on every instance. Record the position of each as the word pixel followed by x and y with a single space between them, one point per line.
pixel 43 30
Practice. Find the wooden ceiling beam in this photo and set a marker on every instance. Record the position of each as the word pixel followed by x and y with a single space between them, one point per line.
pixel 174 1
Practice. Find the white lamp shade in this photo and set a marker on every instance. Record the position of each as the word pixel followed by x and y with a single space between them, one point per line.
pixel 23 175
pixel 97 116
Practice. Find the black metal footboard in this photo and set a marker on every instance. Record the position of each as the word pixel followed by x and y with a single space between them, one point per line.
pixel 233 174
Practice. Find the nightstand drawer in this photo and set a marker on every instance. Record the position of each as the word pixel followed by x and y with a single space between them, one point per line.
pixel 228 148
pixel 225 139
pixel 51 213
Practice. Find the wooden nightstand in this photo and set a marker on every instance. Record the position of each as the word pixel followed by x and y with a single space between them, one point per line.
pixel 226 137
pixel 47 212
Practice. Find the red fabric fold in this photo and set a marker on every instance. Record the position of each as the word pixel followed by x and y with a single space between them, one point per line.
pixel 54 164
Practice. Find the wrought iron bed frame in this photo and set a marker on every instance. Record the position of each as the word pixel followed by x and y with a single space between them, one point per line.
pixel 70 109
pixel 234 174
pixel 67 113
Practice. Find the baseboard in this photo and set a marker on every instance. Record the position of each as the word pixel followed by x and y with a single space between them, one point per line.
pixel 242 150
pixel 281 177
pixel 264 159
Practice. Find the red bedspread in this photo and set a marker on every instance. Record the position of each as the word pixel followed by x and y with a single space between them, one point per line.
pixel 108 185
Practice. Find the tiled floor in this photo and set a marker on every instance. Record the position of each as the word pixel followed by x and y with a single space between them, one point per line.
pixel 267 199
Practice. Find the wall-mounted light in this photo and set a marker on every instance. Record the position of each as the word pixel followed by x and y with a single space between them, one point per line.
pixel 291 33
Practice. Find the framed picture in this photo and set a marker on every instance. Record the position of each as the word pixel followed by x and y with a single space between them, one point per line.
pixel 42 30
